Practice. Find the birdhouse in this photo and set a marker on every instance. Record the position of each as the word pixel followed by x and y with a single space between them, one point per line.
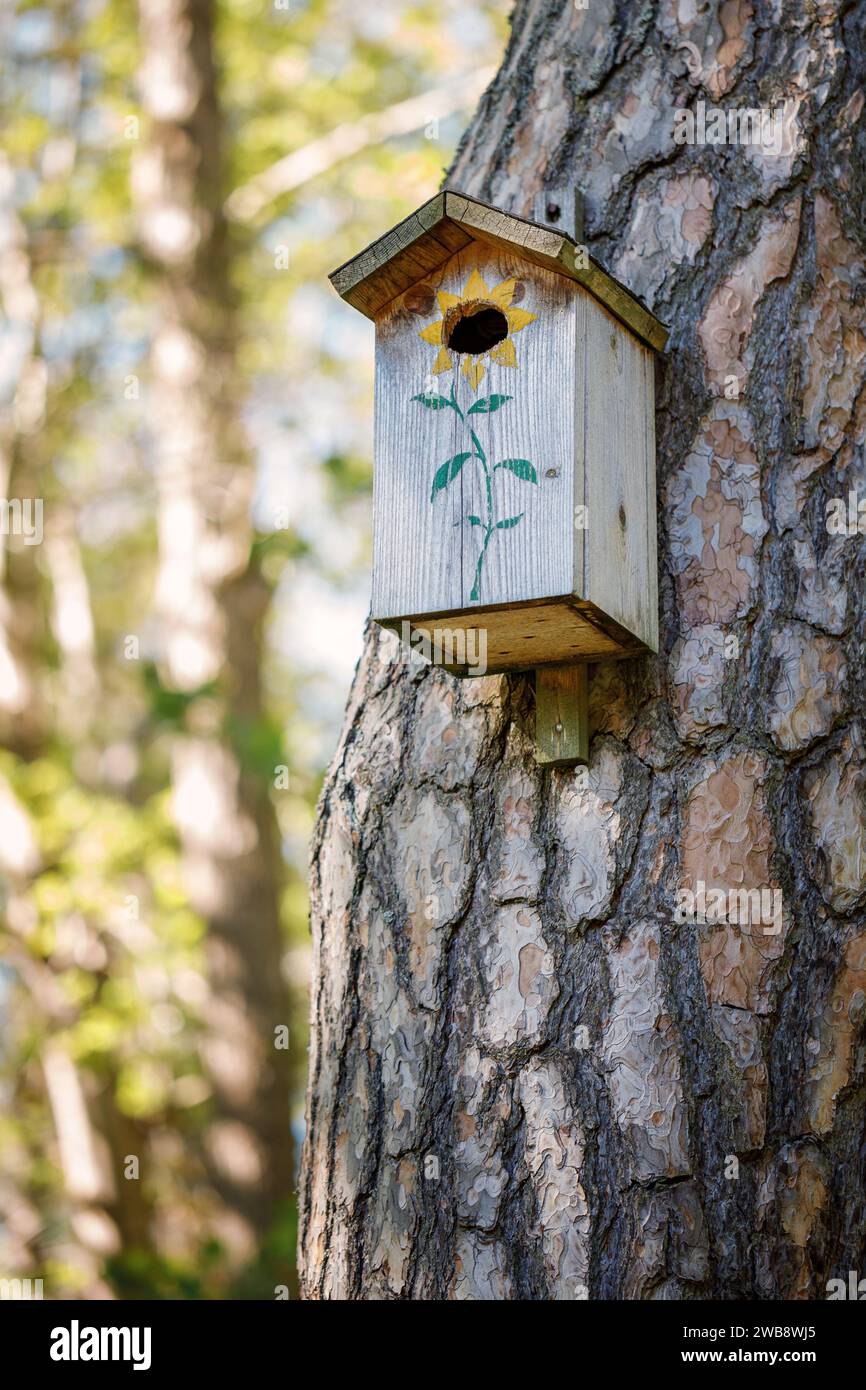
pixel 514 475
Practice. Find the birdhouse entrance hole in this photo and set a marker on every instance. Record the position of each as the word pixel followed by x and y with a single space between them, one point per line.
pixel 474 328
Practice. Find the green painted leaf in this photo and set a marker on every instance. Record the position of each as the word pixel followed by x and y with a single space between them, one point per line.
pixel 521 468
pixel 487 405
pixel 435 402
pixel 507 524
pixel 474 520
pixel 447 473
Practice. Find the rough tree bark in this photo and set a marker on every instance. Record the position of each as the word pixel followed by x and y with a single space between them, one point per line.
pixel 622 1105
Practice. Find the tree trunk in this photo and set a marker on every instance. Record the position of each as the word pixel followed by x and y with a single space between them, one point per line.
pixel 23 716
pixel 529 1079
pixel 211 602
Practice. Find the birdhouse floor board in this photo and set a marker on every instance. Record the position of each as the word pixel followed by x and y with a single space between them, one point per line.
pixel 517 638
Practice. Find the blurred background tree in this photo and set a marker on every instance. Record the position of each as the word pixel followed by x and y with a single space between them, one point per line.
pixel 181 390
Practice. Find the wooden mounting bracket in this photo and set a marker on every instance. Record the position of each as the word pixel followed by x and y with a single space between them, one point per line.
pixel 561 208
pixel 561 692
pixel 561 716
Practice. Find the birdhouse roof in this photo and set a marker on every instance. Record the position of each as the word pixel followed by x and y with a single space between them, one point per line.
pixel 449 222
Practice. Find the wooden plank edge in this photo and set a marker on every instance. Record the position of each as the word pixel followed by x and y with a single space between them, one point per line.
pixel 561 715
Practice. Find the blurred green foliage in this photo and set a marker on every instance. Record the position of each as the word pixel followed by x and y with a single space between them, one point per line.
pixel 100 953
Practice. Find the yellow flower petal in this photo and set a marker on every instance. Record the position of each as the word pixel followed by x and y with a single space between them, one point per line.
pixel 447 301
pixel 432 333
pixel 473 369
pixel 503 293
pixel 518 318
pixel 443 361
pixel 475 287
pixel 504 353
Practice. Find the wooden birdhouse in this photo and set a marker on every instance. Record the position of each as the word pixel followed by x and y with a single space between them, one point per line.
pixel 514 476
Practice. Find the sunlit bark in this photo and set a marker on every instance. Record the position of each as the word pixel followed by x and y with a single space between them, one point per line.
pixel 527 1078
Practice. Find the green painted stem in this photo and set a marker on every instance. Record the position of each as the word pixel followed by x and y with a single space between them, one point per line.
pixel 487 534
pixel 482 459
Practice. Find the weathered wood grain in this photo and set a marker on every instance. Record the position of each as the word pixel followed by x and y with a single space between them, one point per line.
pixel 580 481
pixel 580 412
pixel 561 716
pixel 620 574
pixel 527 635
pixel 416 544
pixel 426 553
pixel 561 208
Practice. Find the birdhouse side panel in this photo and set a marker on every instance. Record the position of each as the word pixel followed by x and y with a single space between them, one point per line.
pixel 475 438
pixel 615 556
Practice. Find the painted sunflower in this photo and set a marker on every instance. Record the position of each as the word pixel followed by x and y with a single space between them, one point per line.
pixel 476 324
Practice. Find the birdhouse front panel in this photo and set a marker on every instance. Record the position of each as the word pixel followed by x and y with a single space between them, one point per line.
pixel 473 483
pixel 514 479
